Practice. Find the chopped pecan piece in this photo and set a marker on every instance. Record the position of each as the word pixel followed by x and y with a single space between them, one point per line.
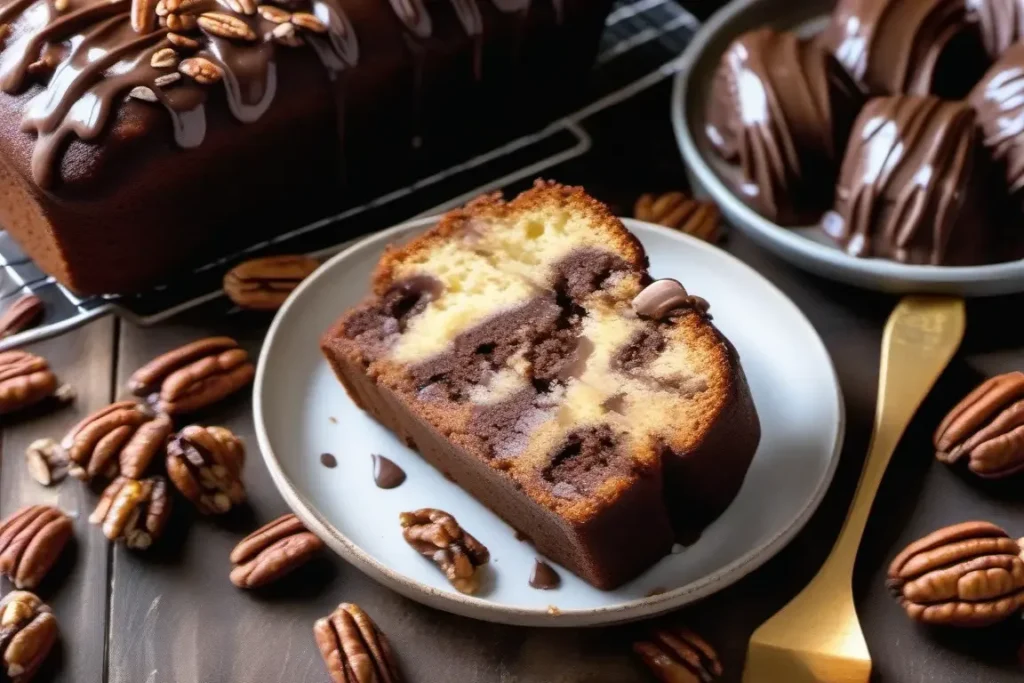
pixel 28 631
pixel 205 464
pixel 194 376
pixel 25 380
pixel 435 534
pixel 677 211
pixel 123 438
pixel 263 284
pixel 272 551
pixel 31 540
pixel 134 511
pixel 986 428
pixel 354 649
pixel 21 315
pixel 968 574
pixel 47 461
pixel 678 655
pixel 225 26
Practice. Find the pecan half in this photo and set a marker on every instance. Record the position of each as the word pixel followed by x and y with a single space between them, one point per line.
pixel 28 631
pixel 134 511
pixel 246 7
pixel 353 648
pixel 225 26
pixel 143 15
pixel 307 21
pixel 677 211
pixel 164 58
pixel 183 42
pixel 31 540
pixel 274 14
pixel 986 428
pixel 202 70
pixel 47 461
pixel 205 464
pixel 286 34
pixel 194 376
pixel 21 315
pixel 182 23
pixel 264 283
pixel 435 534
pixel 968 574
pixel 272 551
pixel 123 437
pixel 25 380
pixel 678 655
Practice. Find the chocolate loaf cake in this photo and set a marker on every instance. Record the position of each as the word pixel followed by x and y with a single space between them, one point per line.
pixel 522 349
pixel 136 135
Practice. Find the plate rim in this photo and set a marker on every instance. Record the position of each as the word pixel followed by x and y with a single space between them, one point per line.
pixel 987 279
pixel 481 608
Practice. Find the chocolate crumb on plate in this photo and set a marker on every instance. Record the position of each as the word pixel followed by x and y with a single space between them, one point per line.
pixel 544 577
pixel 332 419
pixel 386 474
pixel 328 460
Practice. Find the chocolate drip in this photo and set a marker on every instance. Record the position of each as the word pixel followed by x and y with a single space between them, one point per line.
pixel 907 46
pixel 386 474
pixel 998 100
pixel 1001 23
pixel 328 460
pixel 544 577
pixel 911 185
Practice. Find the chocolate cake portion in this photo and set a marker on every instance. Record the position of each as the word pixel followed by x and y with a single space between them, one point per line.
pixel 503 345
pixel 780 110
pixel 914 47
pixel 138 135
pixel 915 185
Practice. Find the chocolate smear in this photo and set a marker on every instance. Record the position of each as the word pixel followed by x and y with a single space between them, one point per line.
pixel 386 474
pixel 662 298
pixel 328 460
pixel 544 577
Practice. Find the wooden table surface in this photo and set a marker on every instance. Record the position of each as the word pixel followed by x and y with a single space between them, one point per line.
pixel 172 616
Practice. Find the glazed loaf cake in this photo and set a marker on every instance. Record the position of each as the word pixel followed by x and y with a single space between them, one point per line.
pixel 504 346
pixel 137 135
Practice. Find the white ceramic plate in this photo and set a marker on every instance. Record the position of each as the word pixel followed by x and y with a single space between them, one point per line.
pixel 295 396
pixel 809 247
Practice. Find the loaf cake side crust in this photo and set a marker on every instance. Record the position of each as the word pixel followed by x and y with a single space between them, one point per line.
pixel 503 346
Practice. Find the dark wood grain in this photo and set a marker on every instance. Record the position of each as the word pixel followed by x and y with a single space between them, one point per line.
pixel 76 588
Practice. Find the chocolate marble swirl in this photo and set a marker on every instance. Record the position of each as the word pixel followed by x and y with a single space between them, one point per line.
pixel 912 185
pixel 907 46
pixel 781 109
pixel 89 54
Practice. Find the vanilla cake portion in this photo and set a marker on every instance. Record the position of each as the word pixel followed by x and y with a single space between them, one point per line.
pixel 503 345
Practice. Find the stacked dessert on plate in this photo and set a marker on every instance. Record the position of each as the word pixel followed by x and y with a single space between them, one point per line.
pixel 897 129
pixel 522 348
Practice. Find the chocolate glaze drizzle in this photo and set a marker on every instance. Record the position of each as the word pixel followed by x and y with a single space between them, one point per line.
pixel 88 56
pixel 998 100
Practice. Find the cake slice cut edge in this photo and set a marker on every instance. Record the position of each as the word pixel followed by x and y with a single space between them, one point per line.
pixel 502 344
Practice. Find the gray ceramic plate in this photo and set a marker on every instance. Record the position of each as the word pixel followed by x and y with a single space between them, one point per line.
pixel 301 411
pixel 808 247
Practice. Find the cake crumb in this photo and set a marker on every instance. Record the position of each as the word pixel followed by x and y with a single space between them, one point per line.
pixel 554 611
pixel 333 420
pixel 656 591
pixel 677 548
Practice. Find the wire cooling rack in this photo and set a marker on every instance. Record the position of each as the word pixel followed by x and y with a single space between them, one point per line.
pixel 641 45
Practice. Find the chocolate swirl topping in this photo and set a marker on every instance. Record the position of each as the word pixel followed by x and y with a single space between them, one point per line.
pixel 998 100
pixel 781 108
pixel 1001 23
pixel 88 55
pixel 911 187
pixel 907 46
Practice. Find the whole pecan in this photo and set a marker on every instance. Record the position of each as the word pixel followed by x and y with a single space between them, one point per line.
pixel 272 551
pixel 205 464
pixel 122 438
pixel 25 380
pixel 354 649
pixel 47 461
pixel 194 376
pixel 675 210
pixel 678 655
pixel 986 428
pixel 134 511
pixel 436 534
pixel 264 283
pixel 21 315
pixel 968 574
pixel 28 631
pixel 31 540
